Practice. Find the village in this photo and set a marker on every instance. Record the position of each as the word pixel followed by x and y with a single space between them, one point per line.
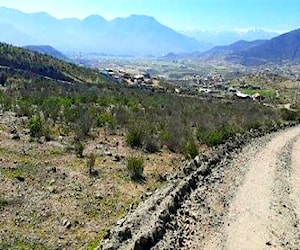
pixel 209 86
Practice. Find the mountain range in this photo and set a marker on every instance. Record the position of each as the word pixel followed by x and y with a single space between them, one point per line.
pixel 134 35
pixel 227 37
pixel 280 49
pixel 138 35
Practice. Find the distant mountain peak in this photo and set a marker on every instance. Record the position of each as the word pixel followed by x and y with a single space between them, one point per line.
pixel 94 18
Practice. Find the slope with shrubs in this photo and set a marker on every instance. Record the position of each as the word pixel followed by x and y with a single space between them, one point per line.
pixel 81 147
pixel 43 65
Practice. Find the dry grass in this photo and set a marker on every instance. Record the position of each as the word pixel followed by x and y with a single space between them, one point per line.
pixel 58 204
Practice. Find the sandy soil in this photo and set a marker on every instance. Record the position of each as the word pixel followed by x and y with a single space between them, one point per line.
pixel 250 215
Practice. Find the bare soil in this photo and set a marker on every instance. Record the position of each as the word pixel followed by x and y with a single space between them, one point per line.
pixel 251 203
pixel 49 201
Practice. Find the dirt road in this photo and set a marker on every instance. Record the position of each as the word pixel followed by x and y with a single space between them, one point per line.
pixel 254 203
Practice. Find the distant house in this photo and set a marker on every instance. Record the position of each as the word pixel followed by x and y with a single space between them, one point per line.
pixel 243 96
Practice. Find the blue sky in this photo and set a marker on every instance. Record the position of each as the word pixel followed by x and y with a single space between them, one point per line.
pixel 279 15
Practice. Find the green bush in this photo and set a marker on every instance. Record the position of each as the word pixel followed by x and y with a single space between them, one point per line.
pixel 289 115
pixel 135 167
pixel 214 137
pixel 83 124
pixel 35 126
pixel 105 118
pixel 191 149
pixel 135 135
pixel 78 148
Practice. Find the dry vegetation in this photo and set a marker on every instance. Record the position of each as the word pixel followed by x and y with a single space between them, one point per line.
pixel 74 157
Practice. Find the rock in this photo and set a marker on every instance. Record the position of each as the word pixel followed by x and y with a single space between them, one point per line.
pixel 117 158
pixel 125 234
pixel 52 181
pixel 52 190
pixel 108 245
pixel 148 194
pixel 108 153
pixel 15 137
pixel 41 140
pixel 99 196
pixel 20 178
pixel 67 224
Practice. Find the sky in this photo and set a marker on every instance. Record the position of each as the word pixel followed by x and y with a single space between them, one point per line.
pixel 273 15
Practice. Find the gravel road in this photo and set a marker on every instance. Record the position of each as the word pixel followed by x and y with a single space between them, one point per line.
pixel 252 203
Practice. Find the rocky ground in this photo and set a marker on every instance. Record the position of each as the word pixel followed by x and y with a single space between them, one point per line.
pixel 239 197
pixel 48 200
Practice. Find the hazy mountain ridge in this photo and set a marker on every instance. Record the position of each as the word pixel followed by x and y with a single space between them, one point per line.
pixel 283 48
pixel 48 50
pixel 225 38
pixel 133 35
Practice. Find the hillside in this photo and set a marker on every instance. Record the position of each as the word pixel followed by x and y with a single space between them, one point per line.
pixel 283 48
pixel 235 47
pixel 141 35
pixel 32 62
pixel 48 50
pixel 70 150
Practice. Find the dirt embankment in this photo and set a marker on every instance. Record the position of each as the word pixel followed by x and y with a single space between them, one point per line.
pixel 234 196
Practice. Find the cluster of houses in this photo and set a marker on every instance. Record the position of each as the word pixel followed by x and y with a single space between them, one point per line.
pixel 214 86
pixel 217 86
pixel 142 80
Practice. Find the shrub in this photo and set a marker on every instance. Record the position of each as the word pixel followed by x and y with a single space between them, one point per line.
pixel 79 147
pixel 214 137
pixel 151 144
pixel 105 118
pixel 47 133
pixel 35 126
pixel 191 149
pixel 289 115
pixel 135 135
pixel 229 131
pixel 135 167
pixel 91 164
pixel 83 124
pixel 3 202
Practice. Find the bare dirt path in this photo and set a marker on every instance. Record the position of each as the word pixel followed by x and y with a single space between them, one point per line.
pixel 251 217
pixel 295 173
pixel 252 203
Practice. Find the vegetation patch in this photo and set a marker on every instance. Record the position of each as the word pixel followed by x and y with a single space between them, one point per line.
pixel 135 167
